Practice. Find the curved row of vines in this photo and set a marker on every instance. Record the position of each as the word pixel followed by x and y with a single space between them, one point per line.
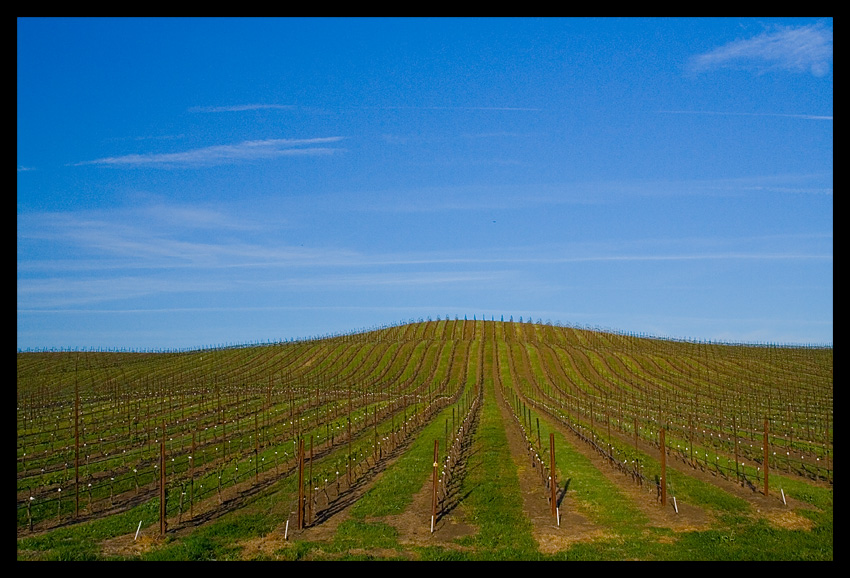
pixel 92 428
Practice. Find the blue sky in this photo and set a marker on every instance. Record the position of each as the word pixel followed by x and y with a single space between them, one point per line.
pixel 184 183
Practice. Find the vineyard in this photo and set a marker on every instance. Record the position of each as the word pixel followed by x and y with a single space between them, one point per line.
pixel 437 439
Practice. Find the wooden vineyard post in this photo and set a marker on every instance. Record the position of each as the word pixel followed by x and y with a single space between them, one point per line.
pixel 636 461
pixel 446 434
pixel 301 483
pixel 735 433
pixel 348 465
pixel 691 438
pixel 376 445
pixel 592 437
pixel 663 468
pixel 552 472
pixel 766 486
pixel 539 443
pixel 76 443
pixel 310 481
pixel 192 479
pixel 636 433
pixel 162 523
pixel 434 493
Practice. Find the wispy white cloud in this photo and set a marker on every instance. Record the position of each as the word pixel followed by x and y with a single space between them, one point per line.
pixel 165 236
pixel 496 134
pixel 374 279
pixel 224 154
pixel 162 248
pixel 722 113
pixel 202 309
pixel 793 190
pixel 156 137
pixel 241 107
pixel 696 257
pixel 60 292
pixel 554 259
pixel 795 49
pixel 486 199
pixel 173 238
pixel 22 169
pixel 477 108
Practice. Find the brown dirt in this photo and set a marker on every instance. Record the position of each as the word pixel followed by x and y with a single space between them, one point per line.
pixel 413 525
pixel 550 535
pixel 128 546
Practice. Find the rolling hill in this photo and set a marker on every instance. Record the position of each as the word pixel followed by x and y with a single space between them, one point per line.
pixel 435 439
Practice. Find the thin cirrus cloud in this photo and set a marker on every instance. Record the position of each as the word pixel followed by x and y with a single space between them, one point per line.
pixel 146 240
pixel 241 107
pixel 479 108
pixel 726 113
pixel 224 154
pixel 795 49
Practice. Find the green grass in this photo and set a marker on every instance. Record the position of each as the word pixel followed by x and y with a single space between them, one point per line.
pixel 493 501
pixel 80 542
pixel 355 535
pixel 163 387
pixel 737 533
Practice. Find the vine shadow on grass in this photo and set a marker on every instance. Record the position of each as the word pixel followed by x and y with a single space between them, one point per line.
pixel 561 494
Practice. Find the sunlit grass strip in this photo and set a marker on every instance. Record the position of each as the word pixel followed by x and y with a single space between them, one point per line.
pixel 738 535
pixel 493 500
pixel 684 487
pixel 595 496
pixel 629 535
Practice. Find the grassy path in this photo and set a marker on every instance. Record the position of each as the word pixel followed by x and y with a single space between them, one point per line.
pixel 712 524
pixel 493 499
